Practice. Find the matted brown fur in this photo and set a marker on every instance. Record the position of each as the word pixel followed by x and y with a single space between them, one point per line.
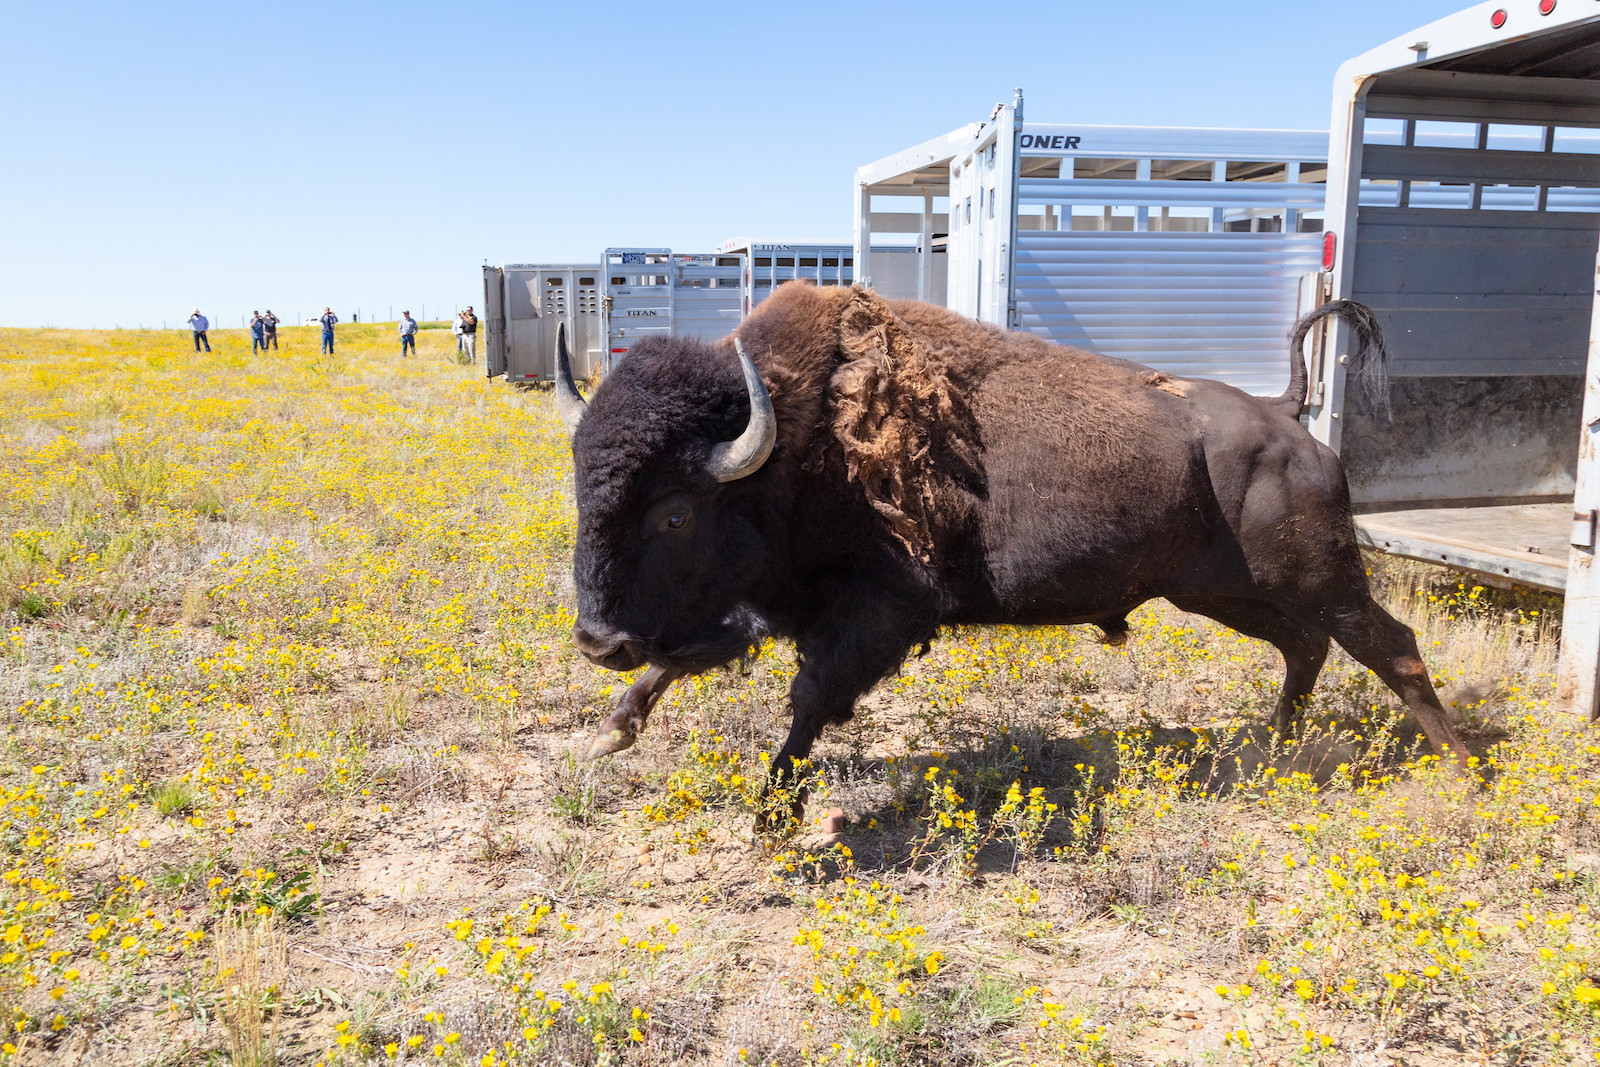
pixel 895 413
pixel 886 400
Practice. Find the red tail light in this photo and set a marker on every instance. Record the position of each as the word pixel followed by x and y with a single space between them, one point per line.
pixel 1498 19
pixel 1546 6
pixel 1328 241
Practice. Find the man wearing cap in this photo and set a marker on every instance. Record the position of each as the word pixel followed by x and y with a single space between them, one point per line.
pixel 200 324
pixel 408 334
pixel 269 324
pixel 327 320
pixel 469 334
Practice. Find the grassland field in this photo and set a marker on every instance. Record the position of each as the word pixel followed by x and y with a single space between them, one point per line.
pixel 292 774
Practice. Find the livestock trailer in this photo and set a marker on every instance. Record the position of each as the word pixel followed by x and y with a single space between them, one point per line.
pixel 1463 208
pixel 771 263
pixel 1185 249
pixel 649 291
pixel 522 305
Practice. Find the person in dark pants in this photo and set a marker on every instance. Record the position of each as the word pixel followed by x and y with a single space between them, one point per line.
pixel 269 324
pixel 327 320
pixel 408 334
pixel 200 324
pixel 469 334
pixel 258 333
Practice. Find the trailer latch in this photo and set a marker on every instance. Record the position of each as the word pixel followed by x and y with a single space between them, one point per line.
pixel 1583 529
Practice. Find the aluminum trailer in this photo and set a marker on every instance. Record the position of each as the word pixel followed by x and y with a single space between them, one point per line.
pixel 1480 129
pixel 658 291
pixel 1185 249
pixel 523 303
pixel 771 263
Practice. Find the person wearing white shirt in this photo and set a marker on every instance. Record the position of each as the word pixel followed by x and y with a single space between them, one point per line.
pixel 200 325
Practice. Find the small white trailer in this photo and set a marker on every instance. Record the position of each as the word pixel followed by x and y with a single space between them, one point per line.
pixel 652 291
pixel 1464 207
pixel 522 305
pixel 1184 249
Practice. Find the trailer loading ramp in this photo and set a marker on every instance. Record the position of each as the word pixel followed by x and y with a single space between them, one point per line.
pixel 1522 542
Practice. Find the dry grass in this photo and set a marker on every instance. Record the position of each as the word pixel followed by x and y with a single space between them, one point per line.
pixel 291 774
pixel 250 964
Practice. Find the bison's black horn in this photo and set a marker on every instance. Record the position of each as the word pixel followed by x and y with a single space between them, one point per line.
pixel 744 455
pixel 568 402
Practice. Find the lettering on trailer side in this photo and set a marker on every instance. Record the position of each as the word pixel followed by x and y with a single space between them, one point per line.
pixel 1060 142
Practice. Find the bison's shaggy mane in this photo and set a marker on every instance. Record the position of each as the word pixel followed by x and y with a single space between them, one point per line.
pixel 879 399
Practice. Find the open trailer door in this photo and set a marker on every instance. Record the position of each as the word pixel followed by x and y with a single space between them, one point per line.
pixel 1464 209
pixel 494 321
pixel 983 220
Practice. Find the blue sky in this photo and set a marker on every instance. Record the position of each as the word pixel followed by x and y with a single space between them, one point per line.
pixel 240 156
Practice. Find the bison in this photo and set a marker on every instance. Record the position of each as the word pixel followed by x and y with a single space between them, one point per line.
pixel 854 473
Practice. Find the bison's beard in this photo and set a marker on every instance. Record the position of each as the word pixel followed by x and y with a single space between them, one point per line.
pixel 713 646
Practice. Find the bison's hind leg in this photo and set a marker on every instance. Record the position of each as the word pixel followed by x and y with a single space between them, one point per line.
pixel 1304 648
pixel 1387 646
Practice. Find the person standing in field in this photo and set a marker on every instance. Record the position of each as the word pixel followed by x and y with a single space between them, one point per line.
pixel 258 333
pixel 327 320
pixel 200 324
pixel 408 334
pixel 269 326
pixel 469 334
pixel 455 328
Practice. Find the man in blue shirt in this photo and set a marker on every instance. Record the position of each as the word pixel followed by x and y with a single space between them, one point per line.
pixel 200 324
pixel 408 334
pixel 258 333
pixel 327 320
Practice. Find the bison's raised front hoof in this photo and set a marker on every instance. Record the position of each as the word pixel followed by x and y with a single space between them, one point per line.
pixel 609 742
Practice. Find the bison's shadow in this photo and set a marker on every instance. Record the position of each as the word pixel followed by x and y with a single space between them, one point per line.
pixel 888 805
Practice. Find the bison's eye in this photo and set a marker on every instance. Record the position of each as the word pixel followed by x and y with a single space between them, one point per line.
pixel 672 514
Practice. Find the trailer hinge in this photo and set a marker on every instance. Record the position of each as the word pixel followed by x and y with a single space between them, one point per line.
pixel 1583 523
pixel 1318 392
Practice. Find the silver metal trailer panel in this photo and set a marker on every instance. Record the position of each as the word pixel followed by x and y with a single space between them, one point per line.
pixel 771 263
pixel 768 264
pixel 1183 249
pixel 657 291
pixel 523 304
pixel 1480 257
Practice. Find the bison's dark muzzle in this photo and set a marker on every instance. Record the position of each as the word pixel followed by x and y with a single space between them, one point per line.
pixel 613 651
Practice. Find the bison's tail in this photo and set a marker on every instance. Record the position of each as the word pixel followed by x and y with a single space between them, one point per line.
pixel 1369 362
